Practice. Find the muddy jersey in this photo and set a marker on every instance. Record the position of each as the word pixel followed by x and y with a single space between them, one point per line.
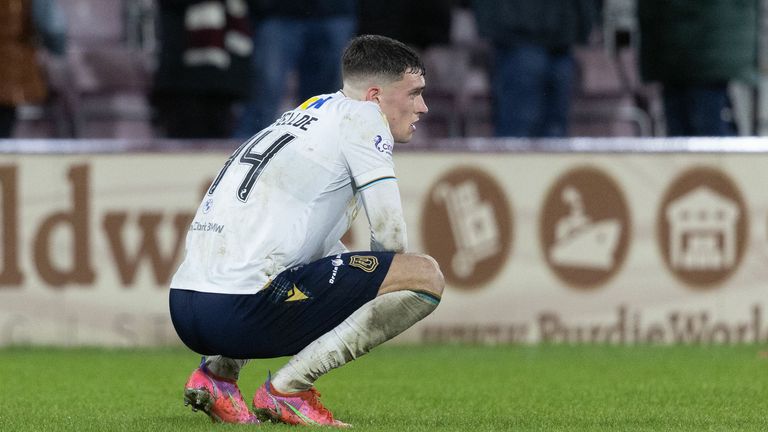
pixel 287 195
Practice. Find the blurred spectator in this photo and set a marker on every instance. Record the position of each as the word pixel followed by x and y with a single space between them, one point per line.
pixel 204 48
pixel 695 48
pixel 307 36
pixel 22 80
pixel 534 68
pixel 419 24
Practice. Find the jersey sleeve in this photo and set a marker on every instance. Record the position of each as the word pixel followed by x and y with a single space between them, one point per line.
pixel 367 146
pixel 385 217
pixel 337 248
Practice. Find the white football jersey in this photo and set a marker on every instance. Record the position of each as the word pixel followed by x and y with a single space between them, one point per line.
pixel 287 195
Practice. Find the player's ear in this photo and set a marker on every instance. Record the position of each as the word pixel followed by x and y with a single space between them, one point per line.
pixel 373 94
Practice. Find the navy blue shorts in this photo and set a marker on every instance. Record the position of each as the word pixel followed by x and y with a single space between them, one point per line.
pixel 299 305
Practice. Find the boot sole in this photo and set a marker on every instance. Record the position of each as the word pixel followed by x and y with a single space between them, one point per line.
pixel 200 400
pixel 267 415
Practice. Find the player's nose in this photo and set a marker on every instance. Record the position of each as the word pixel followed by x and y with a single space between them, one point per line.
pixel 421 105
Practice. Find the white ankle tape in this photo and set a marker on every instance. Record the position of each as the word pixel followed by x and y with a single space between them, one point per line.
pixel 374 323
pixel 383 318
pixel 224 367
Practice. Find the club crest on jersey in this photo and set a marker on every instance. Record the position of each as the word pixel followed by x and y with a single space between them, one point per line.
pixel 366 263
pixel 382 145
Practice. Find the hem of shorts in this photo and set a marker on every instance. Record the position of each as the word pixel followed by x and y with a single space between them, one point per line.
pixel 218 290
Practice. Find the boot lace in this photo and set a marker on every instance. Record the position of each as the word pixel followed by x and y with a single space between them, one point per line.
pixel 314 401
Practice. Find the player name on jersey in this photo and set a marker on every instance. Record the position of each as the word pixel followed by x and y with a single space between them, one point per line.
pixel 296 119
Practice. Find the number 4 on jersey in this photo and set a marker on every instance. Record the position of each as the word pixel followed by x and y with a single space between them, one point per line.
pixel 257 158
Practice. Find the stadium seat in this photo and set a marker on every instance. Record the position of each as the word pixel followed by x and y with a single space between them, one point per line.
pixel 605 98
pixel 108 78
pixel 93 23
pixel 51 119
pixel 110 93
pixel 610 98
pixel 446 68
pixel 458 90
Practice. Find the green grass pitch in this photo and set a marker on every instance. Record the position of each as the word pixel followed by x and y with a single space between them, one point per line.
pixel 398 388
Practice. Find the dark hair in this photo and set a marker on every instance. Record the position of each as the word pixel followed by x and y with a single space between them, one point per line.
pixel 371 55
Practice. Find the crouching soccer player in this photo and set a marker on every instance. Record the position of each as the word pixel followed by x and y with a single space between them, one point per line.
pixel 265 274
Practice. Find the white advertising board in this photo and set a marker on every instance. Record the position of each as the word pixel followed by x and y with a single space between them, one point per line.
pixel 563 247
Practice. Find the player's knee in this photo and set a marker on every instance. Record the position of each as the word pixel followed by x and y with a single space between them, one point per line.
pixel 414 272
pixel 432 278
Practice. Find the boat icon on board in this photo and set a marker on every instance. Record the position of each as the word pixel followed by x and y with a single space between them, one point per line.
pixel 581 242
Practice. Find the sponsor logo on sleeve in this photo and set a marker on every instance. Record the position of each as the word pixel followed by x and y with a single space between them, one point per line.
pixel 382 145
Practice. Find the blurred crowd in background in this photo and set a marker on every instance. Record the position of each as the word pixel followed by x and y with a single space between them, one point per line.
pixel 205 69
